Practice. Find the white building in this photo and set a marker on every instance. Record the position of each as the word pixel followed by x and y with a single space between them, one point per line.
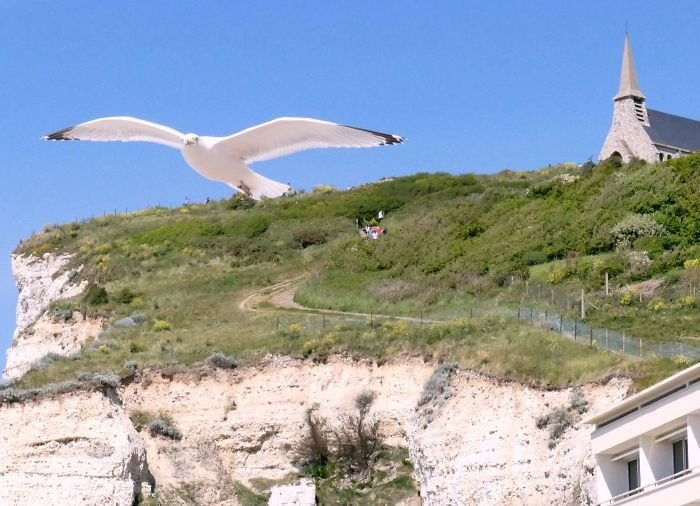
pixel 647 448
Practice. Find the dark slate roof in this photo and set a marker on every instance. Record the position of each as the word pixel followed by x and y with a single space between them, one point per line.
pixel 674 131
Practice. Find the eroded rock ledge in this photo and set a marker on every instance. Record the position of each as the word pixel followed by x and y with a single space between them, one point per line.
pixel 40 281
pixel 480 446
pixel 79 448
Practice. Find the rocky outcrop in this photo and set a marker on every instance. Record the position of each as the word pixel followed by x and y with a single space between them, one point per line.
pixel 42 280
pixel 483 446
pixel 242 426
pixel 301 493
pixel 79 448
pixel 479 445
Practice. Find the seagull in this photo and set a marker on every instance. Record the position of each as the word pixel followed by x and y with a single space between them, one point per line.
pixel 226 159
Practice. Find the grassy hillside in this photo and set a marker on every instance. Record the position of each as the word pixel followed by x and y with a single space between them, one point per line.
pixel 453 242
pixel 562 227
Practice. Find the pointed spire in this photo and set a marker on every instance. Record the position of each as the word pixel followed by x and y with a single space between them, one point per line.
pixel 628 76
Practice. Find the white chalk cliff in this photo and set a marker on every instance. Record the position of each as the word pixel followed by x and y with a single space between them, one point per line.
pixel 40 281
pixel 479 446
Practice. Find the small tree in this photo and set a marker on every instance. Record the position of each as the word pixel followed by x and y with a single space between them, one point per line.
pixel 633 227
pixel 357 438
pixel 313 450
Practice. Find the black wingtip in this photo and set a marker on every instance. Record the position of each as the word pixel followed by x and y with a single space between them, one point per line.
pixel 60 135
pixel 394 139
pixel 387 139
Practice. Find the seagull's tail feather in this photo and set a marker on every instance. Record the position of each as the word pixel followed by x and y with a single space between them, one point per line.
pixel 257 186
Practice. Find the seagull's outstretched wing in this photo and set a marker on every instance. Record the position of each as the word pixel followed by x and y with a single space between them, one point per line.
pixel 119 128
pixel 284 136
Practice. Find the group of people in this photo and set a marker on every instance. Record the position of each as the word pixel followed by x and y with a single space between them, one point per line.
pixel 371 231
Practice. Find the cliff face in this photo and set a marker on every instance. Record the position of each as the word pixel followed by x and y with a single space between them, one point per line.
pixel 481 447
pixel 76 449
pixel 40 281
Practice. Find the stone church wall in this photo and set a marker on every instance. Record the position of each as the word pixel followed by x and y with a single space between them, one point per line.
pixel 627 135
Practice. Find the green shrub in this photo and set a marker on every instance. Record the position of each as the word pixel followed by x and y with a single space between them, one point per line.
pixel 140 418
pixel 100 379
pixel 45 361
pixel 472 228
pixel 294 331
pixel 560 418
pixel 135 347
pixel 577 401
pixel 95 295
pixel 534 258
pixel 222 361
pixel 309 236
pixel 255 225
pixel 124 296
pixel 164 426
pixel 654 245
pixel 437 388
pixel 240 201
pixel 633 227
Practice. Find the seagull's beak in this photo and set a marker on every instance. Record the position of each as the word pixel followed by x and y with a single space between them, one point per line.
pixel 189 141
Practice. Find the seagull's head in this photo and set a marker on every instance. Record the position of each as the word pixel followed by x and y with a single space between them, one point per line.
pixel 190 139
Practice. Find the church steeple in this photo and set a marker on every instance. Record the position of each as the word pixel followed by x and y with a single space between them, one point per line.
pixel 629 87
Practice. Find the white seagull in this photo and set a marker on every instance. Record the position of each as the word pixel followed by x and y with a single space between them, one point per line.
pixel 226 159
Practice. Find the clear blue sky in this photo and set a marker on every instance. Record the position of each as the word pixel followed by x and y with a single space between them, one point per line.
pixel 474 86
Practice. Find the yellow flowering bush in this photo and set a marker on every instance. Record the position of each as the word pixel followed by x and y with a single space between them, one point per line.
pixel 161 325
pixel 556 276
pixel 321 345
pixel 693 263
pixel 688 301
pixel 193 252
pixel 294 331
pixel 626 299
pixel 681 360
pixel 657 305
pixel 137 302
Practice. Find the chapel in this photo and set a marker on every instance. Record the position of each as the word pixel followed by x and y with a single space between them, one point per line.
pixel 643 133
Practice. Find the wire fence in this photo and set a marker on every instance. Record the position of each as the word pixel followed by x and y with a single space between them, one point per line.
pixel 572 328
pixel 611 340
